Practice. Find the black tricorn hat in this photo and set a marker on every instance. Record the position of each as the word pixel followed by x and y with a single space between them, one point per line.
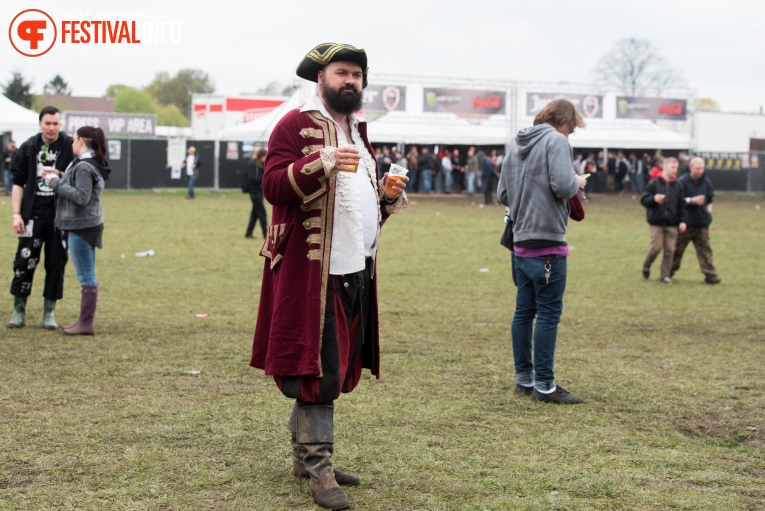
pixel 325 53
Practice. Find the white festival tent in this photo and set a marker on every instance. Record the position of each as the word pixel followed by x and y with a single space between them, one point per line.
pixel 17 119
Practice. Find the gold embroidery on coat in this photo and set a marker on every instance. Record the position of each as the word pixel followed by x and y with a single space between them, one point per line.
pixel 314 166
pixel 315 255
pixel 311 133
pixel 314 239
pixel 293 182
pixel 312 223
pixel 311 149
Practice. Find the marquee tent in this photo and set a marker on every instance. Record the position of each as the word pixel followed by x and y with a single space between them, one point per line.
pixel 13 117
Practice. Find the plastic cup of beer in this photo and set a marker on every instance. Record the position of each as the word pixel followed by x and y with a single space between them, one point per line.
pixel 394 174
pixel 355 166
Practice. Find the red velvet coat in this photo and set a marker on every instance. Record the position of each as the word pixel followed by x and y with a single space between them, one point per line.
pixel 291 314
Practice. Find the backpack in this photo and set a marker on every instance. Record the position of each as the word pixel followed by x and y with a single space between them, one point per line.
pixel 244 181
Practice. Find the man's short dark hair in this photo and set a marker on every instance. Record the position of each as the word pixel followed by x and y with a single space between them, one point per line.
pixel 48 110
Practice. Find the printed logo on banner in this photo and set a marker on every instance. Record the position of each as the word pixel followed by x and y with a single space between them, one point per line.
pixel 590 106
pixel 384 98
pixel 654 109
pixel 465 103
pixel 391 97
pixel 32 33
pixel 587 104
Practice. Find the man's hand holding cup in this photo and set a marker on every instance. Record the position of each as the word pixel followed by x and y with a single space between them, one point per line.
pixel 347 158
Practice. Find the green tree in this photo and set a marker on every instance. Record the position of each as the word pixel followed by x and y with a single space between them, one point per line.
pixel 170 115
pixel 636 67
pixel 177 90
pixel 57 86
pixel 114 88
pixel 132 100
pixel 19 90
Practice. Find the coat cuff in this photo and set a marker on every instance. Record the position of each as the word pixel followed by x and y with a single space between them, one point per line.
pixel 327 155
pixel 397 207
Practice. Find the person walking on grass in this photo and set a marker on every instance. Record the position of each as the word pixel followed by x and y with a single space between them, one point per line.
pixel 255 169
pixel 78 213
pixel 34 213
pixel 317 324
pixel 536 183
pixel 699 193
pixel 666 215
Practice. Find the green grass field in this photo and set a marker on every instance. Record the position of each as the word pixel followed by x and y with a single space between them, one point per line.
pixel 160 410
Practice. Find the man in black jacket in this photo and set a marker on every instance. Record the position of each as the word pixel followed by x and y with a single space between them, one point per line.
pixel 699 193
pixel 666 214
pixel 34 211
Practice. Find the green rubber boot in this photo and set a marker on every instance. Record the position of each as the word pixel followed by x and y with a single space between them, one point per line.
pixel 19 312
pixel 49 321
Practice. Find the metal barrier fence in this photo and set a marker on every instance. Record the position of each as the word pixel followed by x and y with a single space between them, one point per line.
pixel 142 164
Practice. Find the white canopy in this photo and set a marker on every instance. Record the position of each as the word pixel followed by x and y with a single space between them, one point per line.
pixel 259 130
pixel 634 134
pixel 16 118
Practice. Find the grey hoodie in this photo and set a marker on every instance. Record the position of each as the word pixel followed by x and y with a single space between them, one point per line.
pixel 78 203
pixel 536 182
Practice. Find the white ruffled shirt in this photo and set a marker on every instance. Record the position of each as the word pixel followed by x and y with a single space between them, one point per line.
pixel 357 217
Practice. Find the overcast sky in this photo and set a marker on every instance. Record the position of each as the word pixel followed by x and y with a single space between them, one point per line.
pixel 718 47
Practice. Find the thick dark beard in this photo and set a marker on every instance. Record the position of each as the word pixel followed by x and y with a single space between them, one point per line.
pixel 340 101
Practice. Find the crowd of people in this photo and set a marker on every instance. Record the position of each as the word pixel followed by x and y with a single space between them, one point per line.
pixel 620 172
pixel 453 170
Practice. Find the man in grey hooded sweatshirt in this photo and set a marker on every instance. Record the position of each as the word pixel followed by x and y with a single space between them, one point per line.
pixel 536 183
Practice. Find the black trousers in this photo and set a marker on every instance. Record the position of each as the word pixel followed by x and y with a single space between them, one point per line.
pixel 258 213
pixel 45 237
pixel 342 344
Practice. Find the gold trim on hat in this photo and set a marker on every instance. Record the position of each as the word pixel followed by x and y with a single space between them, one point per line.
pixel 325 57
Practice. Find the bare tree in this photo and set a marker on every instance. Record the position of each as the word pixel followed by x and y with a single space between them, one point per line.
pixel 636 67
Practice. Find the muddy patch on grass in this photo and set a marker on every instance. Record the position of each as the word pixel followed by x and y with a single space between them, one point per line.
pixel 15 475
pixel 739 431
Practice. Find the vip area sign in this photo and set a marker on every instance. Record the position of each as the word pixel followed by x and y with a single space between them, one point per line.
pixel 114 125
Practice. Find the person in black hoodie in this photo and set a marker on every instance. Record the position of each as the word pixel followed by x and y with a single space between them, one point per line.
pixel 666 215
pixel 255 178
pixel 699 194
pixel 79 214
pixel 34 212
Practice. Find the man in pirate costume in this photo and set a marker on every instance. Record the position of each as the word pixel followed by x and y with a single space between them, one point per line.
pixel 317 323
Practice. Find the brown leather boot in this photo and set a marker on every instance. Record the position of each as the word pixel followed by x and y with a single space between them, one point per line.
pixel 298 470
pixel 88 305
pixel 315 444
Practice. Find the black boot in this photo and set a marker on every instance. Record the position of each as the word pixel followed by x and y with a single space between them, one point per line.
pixel 316 438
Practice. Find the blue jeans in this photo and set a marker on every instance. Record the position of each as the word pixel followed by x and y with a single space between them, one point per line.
pixel 543 300
pixel 83 256
pixel 470 177
pixel 8 182
pixel 412 184
pixel 192 179
pixel 447 180
pixel 427 180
